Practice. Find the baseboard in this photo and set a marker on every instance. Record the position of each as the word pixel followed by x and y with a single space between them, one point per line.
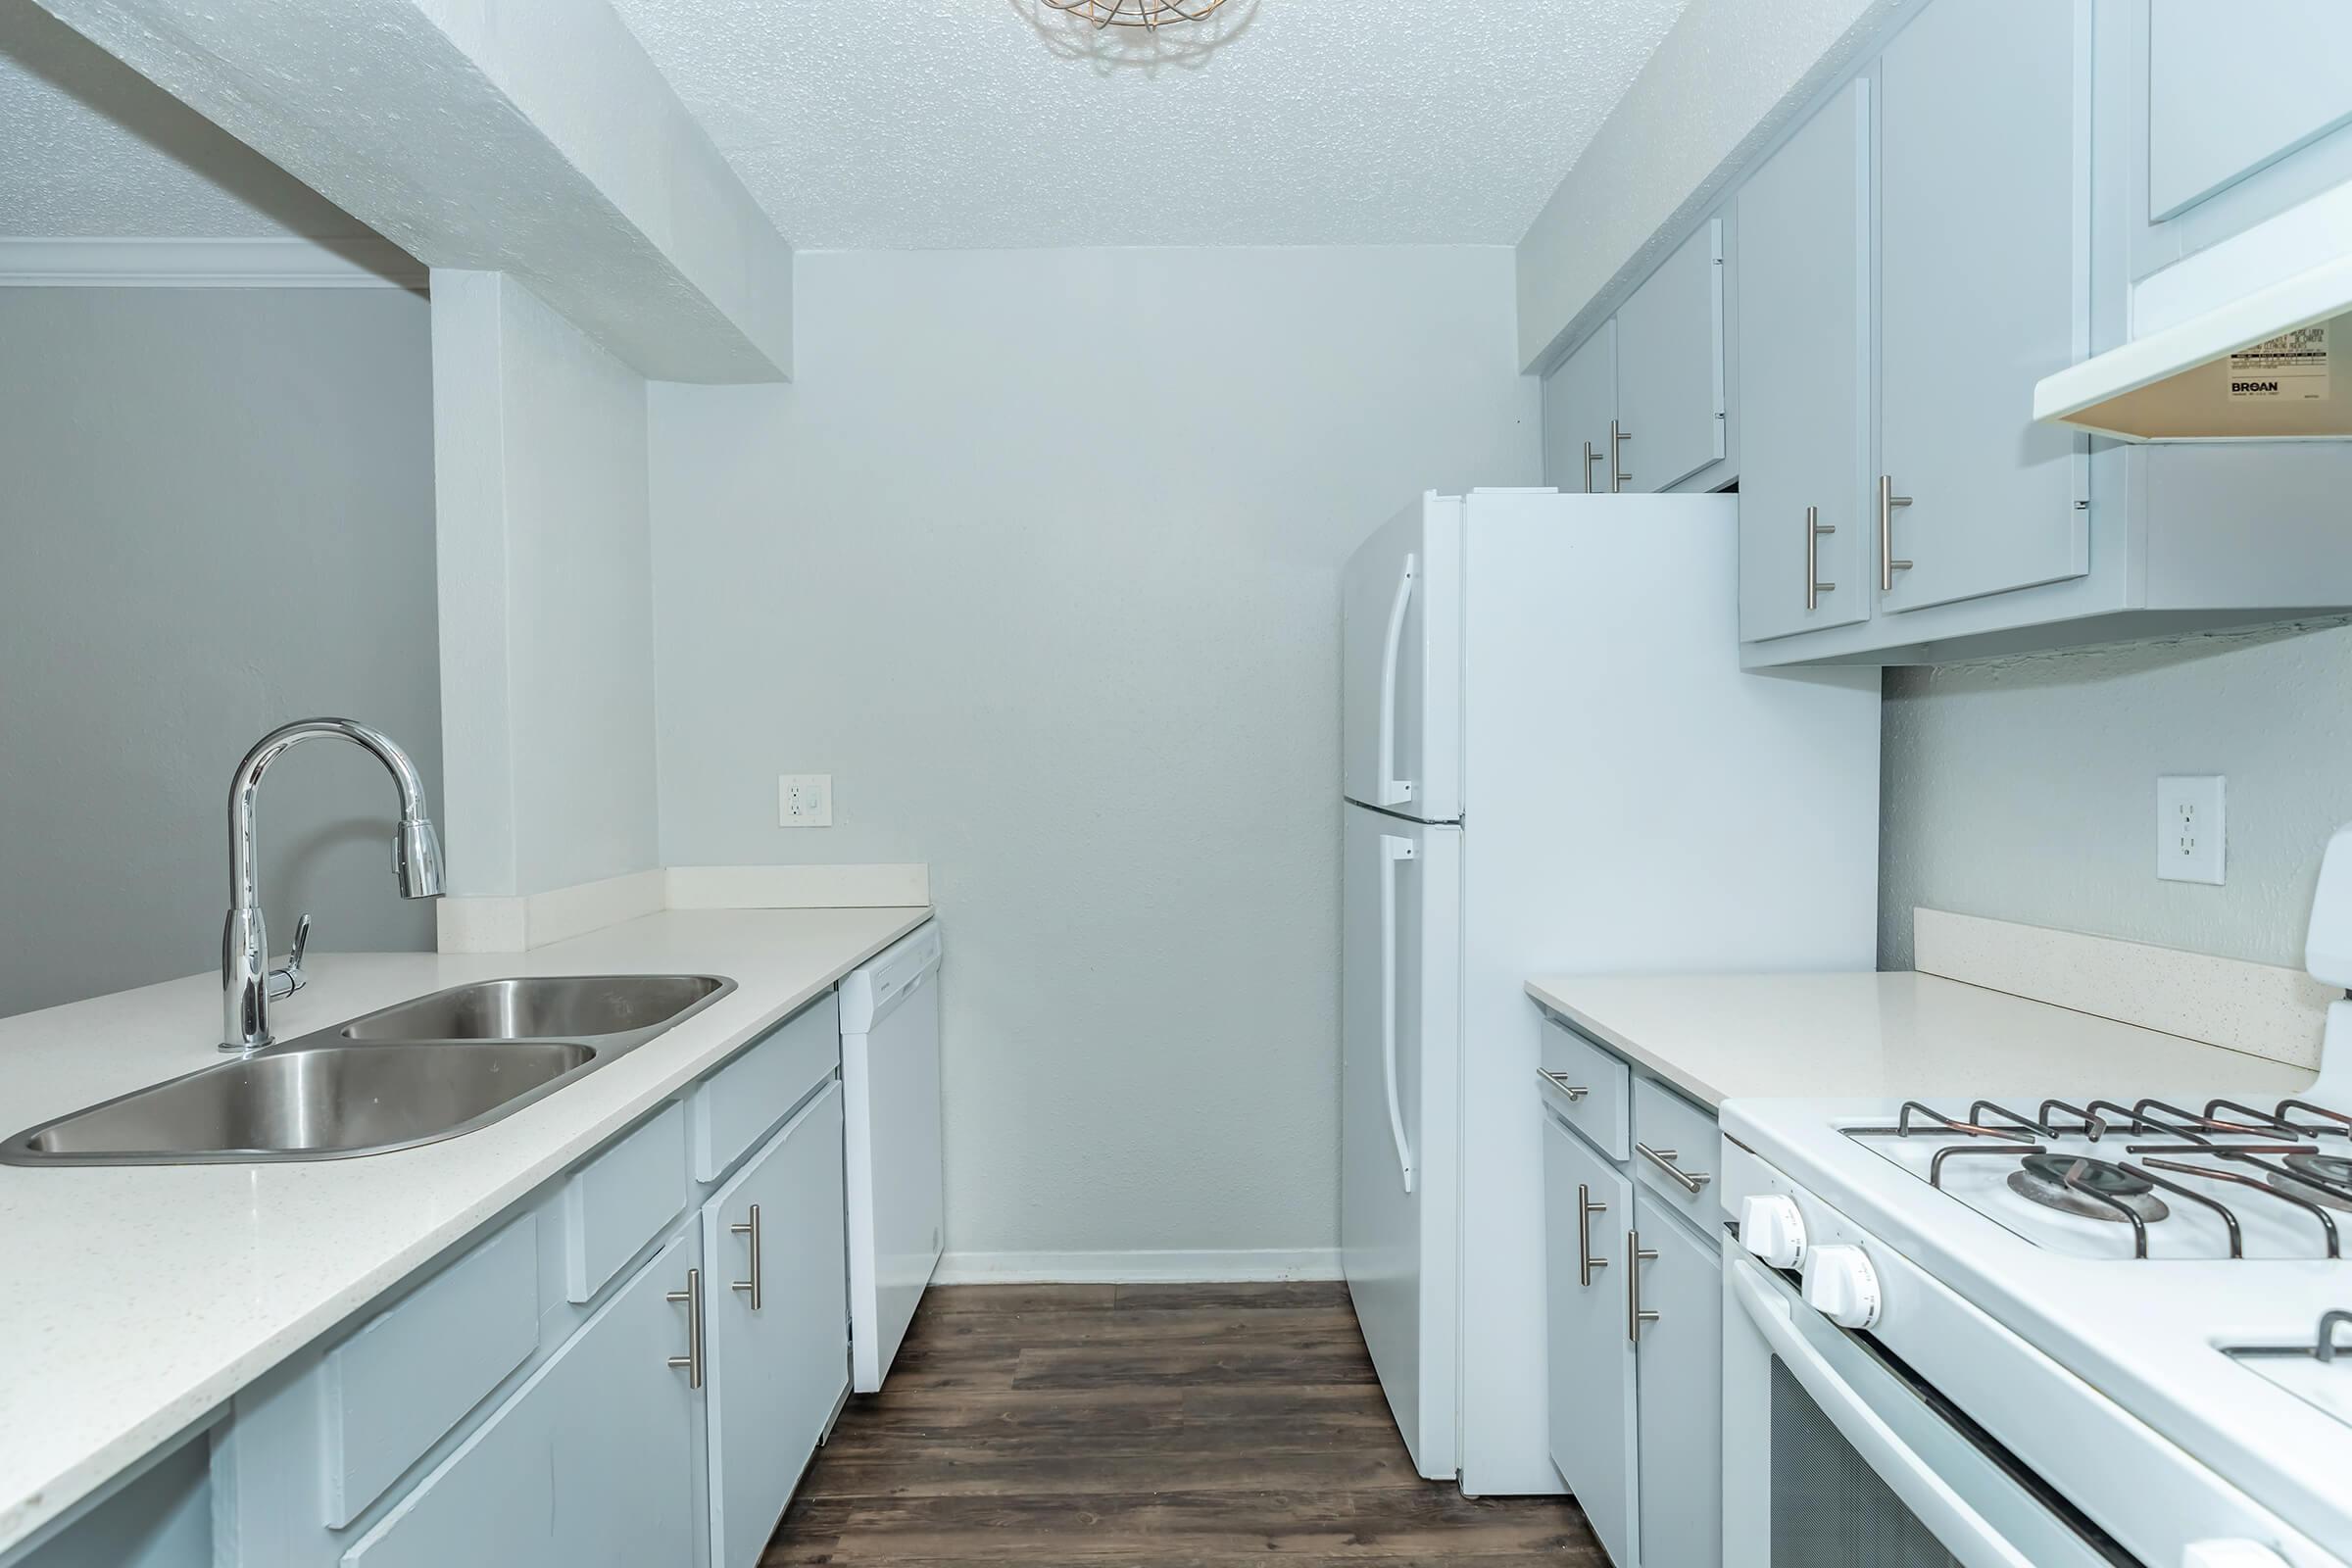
pixel 1244 1265
pixel 2261 1008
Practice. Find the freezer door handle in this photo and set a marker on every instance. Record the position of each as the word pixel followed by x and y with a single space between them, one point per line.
pixel 1393 849
pixel 1393 791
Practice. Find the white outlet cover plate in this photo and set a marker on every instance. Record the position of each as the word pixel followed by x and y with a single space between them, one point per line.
pixel 2191 829
pixel 803 800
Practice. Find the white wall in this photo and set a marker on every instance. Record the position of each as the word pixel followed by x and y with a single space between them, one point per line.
pixel 1037 557
pixel 215 515
pixel 2026 789
pixel 1729 77
pixel 545 556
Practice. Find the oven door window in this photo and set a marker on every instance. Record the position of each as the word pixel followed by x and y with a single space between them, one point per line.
pixel 1828 1508
pixel 1838 1455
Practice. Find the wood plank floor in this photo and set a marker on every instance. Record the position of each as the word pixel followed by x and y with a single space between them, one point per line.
pixel 1179 1425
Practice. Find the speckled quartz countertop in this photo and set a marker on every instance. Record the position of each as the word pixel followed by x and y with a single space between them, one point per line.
pixel 1865 1036
pixel 136 1299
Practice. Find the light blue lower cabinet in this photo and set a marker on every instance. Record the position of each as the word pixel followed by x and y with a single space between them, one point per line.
pixel 1635 1319
pixel 1586 1205
pixel 777 1320
pixel 592 1461
pixel 1678 1393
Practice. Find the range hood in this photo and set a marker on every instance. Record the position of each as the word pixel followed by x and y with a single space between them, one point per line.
pixel 2272 364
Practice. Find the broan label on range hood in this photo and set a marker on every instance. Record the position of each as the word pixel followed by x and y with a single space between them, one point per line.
pixel 2276 365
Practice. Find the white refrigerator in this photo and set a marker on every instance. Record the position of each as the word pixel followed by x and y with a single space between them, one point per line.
pixel 1551 763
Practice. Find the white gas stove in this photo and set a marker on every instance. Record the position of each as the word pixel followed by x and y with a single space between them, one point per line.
pixel 2023 1331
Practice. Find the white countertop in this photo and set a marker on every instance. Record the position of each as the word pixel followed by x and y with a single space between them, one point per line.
pixel 136 1299
pixel 1877 1036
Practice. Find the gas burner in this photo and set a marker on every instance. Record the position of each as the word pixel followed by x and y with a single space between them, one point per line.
pixel 2060 1181
pixel 2333 1169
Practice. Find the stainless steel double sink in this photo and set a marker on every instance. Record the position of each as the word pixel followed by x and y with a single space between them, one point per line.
pixel 412 1073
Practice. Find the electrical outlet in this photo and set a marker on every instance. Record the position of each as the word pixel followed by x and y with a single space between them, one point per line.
pixel 2191 833
pixel 803 800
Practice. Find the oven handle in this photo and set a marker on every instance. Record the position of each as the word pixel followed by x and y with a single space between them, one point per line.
pixel 1960 1528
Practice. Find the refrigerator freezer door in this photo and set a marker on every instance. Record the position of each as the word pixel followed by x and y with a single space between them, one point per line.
pixel 1398 1204
pixel 1400 670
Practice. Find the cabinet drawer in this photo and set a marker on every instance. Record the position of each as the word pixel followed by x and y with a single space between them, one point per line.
pixel 1601 1110
pixel 1671 1135
pixel 620 1201
pixel 390 1391
pixel 737 1106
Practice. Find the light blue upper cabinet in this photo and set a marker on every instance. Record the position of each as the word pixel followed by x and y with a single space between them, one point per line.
pixel 2234 88
pixel 1580 399
pixel 1804 376
pixel 1983 268
pixel 1669 387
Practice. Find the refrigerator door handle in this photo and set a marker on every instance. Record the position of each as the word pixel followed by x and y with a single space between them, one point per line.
pixel 1393 791
pixel 1392 850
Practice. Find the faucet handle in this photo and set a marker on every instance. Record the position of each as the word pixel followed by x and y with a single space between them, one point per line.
pixel 284 982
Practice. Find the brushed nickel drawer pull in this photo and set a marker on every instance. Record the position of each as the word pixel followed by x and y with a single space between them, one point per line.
pixel 1559 1081
pixel 1585 1209
pixel 1888 502
pixel 751 1229
pixel 692 1296
pixel 1591 458
pixel 1617 477
pixel 1814 586
pixel 1636 1255
pixel 1664 1158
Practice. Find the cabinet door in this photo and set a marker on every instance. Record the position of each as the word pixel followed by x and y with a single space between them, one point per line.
pixel 1590 1361
pixel 1679 1406
pixel 1983 289
pixel 1580 399
pixel 1804 376
pixel 780 1357
pixel 1670 366
pixel 593 1460
pixel 2234 88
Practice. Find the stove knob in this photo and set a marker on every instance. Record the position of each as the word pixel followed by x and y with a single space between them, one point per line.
pixel 1843 1286
pixel 2230 1554
pixel 1772 1228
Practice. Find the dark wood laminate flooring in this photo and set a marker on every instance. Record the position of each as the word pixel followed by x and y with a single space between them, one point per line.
pixel 1188 1426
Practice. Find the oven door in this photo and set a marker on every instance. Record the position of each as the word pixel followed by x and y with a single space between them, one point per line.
pixel 1836 1456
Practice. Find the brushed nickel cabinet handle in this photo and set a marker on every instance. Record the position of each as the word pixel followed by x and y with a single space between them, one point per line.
pixel 1690 1181
pixel 1636 1255
pixel 1591 458
pixel 1559 1081
pixel 1617 477
pixel 751 1287
pixel 1814 586
pixel 1585 1209
pixel 1888 502
pixel 692 1296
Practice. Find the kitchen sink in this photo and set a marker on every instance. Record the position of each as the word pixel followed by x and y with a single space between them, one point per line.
pixel 543 1006
pixel 412 1073
pixel 315 1101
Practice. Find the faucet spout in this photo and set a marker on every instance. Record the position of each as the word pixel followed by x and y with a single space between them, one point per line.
pixel 245 977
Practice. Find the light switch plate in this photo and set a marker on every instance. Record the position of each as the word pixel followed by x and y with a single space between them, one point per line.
pixel 2191 832
pixel 803 800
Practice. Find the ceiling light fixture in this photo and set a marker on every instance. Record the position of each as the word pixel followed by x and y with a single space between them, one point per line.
pixel 1137 32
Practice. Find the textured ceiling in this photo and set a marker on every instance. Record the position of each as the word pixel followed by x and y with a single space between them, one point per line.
pixel 90 147
pixel 913 123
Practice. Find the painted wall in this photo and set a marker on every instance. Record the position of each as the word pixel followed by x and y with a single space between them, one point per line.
pixel 2026 789
pixel 539 447
pixel 1038 556
pixel 1730 74
pixel 218 515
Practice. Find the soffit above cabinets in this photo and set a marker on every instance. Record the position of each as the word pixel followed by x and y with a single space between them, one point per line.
pixel 863 124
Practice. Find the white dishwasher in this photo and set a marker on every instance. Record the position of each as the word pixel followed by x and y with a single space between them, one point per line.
pixel 896 1186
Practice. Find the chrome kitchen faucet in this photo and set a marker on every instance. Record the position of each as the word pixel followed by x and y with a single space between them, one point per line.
pixel 248 984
